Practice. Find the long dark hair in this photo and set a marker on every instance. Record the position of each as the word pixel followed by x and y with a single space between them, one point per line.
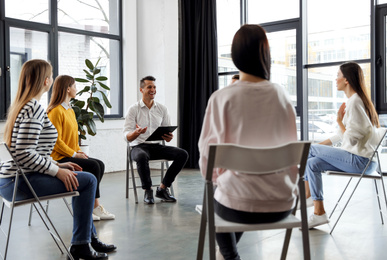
pixel 250 51
pixel 355 77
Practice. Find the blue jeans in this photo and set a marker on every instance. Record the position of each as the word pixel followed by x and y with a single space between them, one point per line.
pixel 44 184
pixel 327 158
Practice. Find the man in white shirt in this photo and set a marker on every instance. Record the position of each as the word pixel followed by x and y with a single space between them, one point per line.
pixel 142 119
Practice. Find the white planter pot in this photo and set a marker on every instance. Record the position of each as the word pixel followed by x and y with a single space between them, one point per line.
pixel 85 148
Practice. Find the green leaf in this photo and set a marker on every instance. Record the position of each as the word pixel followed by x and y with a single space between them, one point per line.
pixel 89 64
pixel 85 89
pixel 105 99
pixel 101 78
pixel 103 85
pixel 90 77
pixel 87 73
pixel 81 80
pixel 91 127
pixel 77 105
pixel 96 71
pixel 98 109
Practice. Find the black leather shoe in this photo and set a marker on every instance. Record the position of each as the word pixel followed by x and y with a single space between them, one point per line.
pixel 148 197
pixel 86 252
pixel 100 246
pixel 164 195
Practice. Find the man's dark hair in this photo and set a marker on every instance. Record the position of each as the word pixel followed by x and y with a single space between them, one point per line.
pixel 250 51
pixel 142 81
pixel 235 76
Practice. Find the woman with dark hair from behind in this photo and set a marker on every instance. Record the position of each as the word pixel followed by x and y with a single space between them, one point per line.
pixel 67 148
pixel 251 112
pixel 358 123
pixel 31 137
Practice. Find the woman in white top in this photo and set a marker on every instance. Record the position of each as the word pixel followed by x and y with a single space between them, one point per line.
pixel 251 112
pixel 358 121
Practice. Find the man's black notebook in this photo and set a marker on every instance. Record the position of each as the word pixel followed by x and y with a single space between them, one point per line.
pixel 159 132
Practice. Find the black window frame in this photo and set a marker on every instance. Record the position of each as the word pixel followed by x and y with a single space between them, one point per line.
pixel 53 30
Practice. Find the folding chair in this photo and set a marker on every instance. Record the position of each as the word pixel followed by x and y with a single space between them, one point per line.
pixel 377 175
pixel 5 156
pixel 47 204
pixel 251 160
pixel 129 162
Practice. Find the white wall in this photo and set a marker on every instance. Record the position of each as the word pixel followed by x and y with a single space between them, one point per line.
pixel 150 47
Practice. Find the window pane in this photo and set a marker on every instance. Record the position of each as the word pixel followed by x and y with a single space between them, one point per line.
pixel 344 36
pixel 74 49
pixel 98 16
pixel 283 61
pixel 26 45
pixel 225 80
pixel 34 11
pixel 324 100
pixel 228 22
pixel 263 11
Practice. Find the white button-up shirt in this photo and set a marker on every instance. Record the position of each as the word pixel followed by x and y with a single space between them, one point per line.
pixel 141 115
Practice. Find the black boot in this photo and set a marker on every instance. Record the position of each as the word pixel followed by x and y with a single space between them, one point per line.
pixel 100 246
pixel 86 252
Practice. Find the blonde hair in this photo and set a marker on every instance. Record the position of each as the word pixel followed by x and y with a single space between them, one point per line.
pixel 59 91
pixel 31 80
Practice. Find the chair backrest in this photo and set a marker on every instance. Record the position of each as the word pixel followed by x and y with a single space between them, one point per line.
pixel 252 160
pixel 380 134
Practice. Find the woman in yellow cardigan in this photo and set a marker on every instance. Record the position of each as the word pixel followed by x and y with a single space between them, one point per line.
pixel 67 148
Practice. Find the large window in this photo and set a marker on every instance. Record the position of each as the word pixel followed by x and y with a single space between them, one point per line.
pixel 307 48
pixel 65 33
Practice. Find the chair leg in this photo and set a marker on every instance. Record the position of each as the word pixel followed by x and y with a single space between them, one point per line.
pixel 68 206
pixel 127 172
pixel 32 211
pixel 202 230
pixel 54 235
pixel 286 243
pixel 346 204
pixel 384 190
pixel 134 183
pixel 341 196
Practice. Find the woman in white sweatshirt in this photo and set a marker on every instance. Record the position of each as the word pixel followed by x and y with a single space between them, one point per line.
pixel 251 112
pixel 358 123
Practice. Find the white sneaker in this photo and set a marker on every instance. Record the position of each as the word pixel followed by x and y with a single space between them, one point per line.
pixel 316 220
pixel 218 255
pixel 95 217
pixel 102 213
pixel 309 203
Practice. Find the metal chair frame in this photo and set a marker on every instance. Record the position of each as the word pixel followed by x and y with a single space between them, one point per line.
pixel 6 155
pixel 377 175
pixel 129 164
pixel 253 161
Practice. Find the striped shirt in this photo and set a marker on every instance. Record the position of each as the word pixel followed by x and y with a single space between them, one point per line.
pixel 33 138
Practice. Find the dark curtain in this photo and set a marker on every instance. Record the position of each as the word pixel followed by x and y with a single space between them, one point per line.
pixel 198 70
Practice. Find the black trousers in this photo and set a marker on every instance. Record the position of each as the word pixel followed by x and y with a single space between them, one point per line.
pixel 142 153
pixel 92 165
pixel 228 241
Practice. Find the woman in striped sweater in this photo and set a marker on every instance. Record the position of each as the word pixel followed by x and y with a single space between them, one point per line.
pixel 66 148
pixel 31 138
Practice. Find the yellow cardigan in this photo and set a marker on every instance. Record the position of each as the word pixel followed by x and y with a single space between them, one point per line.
pixel 66 124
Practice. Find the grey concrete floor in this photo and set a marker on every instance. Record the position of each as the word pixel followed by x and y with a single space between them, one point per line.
pixel 170 230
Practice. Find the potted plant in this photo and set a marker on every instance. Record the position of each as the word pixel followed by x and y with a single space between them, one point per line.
pixel 94 103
